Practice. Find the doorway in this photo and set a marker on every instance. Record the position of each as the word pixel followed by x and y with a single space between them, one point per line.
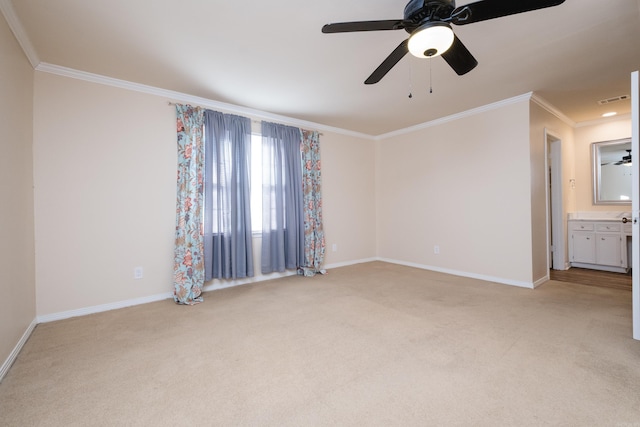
pixel 555 225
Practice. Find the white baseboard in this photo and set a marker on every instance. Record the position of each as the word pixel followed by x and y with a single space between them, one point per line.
pixel 144 300
pixel 541 280
pixel 500 280
pixel 221 285
pixel 14 354
pixel 100 308
pixel 348 263
pixel 228 284
pixel 224 284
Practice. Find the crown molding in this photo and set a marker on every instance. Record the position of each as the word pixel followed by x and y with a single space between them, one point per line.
pixel 604 120
pixel 457 116
pixel 551 109
pixel 174 96
pixel 18 31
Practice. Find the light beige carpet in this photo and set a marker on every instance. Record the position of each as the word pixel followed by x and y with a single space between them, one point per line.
pixel 368 345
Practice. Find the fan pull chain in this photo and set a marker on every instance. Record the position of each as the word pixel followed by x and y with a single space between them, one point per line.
pixel 430 76
pixel 410 80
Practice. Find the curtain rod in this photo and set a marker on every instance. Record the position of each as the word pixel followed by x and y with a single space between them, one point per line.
pixel 175 103
pixel 252 120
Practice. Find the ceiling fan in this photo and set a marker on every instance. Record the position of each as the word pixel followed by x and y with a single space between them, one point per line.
pixel 429 24
pixel 626 160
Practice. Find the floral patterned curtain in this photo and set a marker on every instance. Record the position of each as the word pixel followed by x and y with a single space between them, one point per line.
pixel 314 244
pixel 188 270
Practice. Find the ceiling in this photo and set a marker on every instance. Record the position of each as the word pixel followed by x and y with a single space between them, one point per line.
pixel 271 56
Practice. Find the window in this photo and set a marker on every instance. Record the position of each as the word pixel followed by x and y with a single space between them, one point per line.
pixel 256 182
pixel 219 177
pixel 256 186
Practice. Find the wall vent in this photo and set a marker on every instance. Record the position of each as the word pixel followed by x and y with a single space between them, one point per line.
pixel 614 99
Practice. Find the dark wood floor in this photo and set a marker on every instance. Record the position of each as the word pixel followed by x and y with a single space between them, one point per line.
pixel 584 276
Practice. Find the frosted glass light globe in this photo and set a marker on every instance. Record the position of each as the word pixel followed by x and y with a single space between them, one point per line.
pixel 432 39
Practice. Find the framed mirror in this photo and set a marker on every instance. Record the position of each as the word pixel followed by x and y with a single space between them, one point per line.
pixel 612 162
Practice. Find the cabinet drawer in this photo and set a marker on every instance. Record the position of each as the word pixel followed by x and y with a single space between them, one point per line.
pixel 582 226
pixel 606 227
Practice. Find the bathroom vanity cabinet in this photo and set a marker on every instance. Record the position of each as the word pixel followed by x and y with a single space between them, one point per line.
pixel 599 245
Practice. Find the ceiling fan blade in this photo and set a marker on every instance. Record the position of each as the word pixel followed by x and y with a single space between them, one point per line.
pixel 348 27
pixel 391 60
pixel 490 9
pixel 459 58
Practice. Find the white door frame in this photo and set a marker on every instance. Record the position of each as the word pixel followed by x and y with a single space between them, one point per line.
pixel 555 217
pixel 635 202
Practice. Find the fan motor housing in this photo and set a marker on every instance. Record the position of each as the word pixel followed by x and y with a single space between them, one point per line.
pixel 419 11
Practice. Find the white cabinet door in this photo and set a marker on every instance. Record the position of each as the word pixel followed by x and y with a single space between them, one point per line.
pixel 609 249
pixel 583 245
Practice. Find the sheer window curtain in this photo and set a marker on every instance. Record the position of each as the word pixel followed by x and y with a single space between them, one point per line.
pixel 282 199
pixel 228 242
pixel 188 271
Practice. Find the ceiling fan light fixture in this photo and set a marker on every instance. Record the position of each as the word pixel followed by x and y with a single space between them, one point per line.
pixel 431 39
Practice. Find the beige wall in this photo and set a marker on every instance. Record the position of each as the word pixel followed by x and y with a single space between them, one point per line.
pixel 349 204
pixel 17 283
pixel 105 165
pixel 585 136
pixel 104 161
pixel 464 186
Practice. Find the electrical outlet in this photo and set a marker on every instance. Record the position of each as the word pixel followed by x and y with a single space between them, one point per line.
pixel 436 249
pixel 334 247
pixel 138 273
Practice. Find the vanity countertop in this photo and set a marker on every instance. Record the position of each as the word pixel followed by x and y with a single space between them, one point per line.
pixel 600 219
pixel 599 216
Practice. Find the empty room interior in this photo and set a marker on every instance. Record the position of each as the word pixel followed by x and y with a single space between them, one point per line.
pixel 476 203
